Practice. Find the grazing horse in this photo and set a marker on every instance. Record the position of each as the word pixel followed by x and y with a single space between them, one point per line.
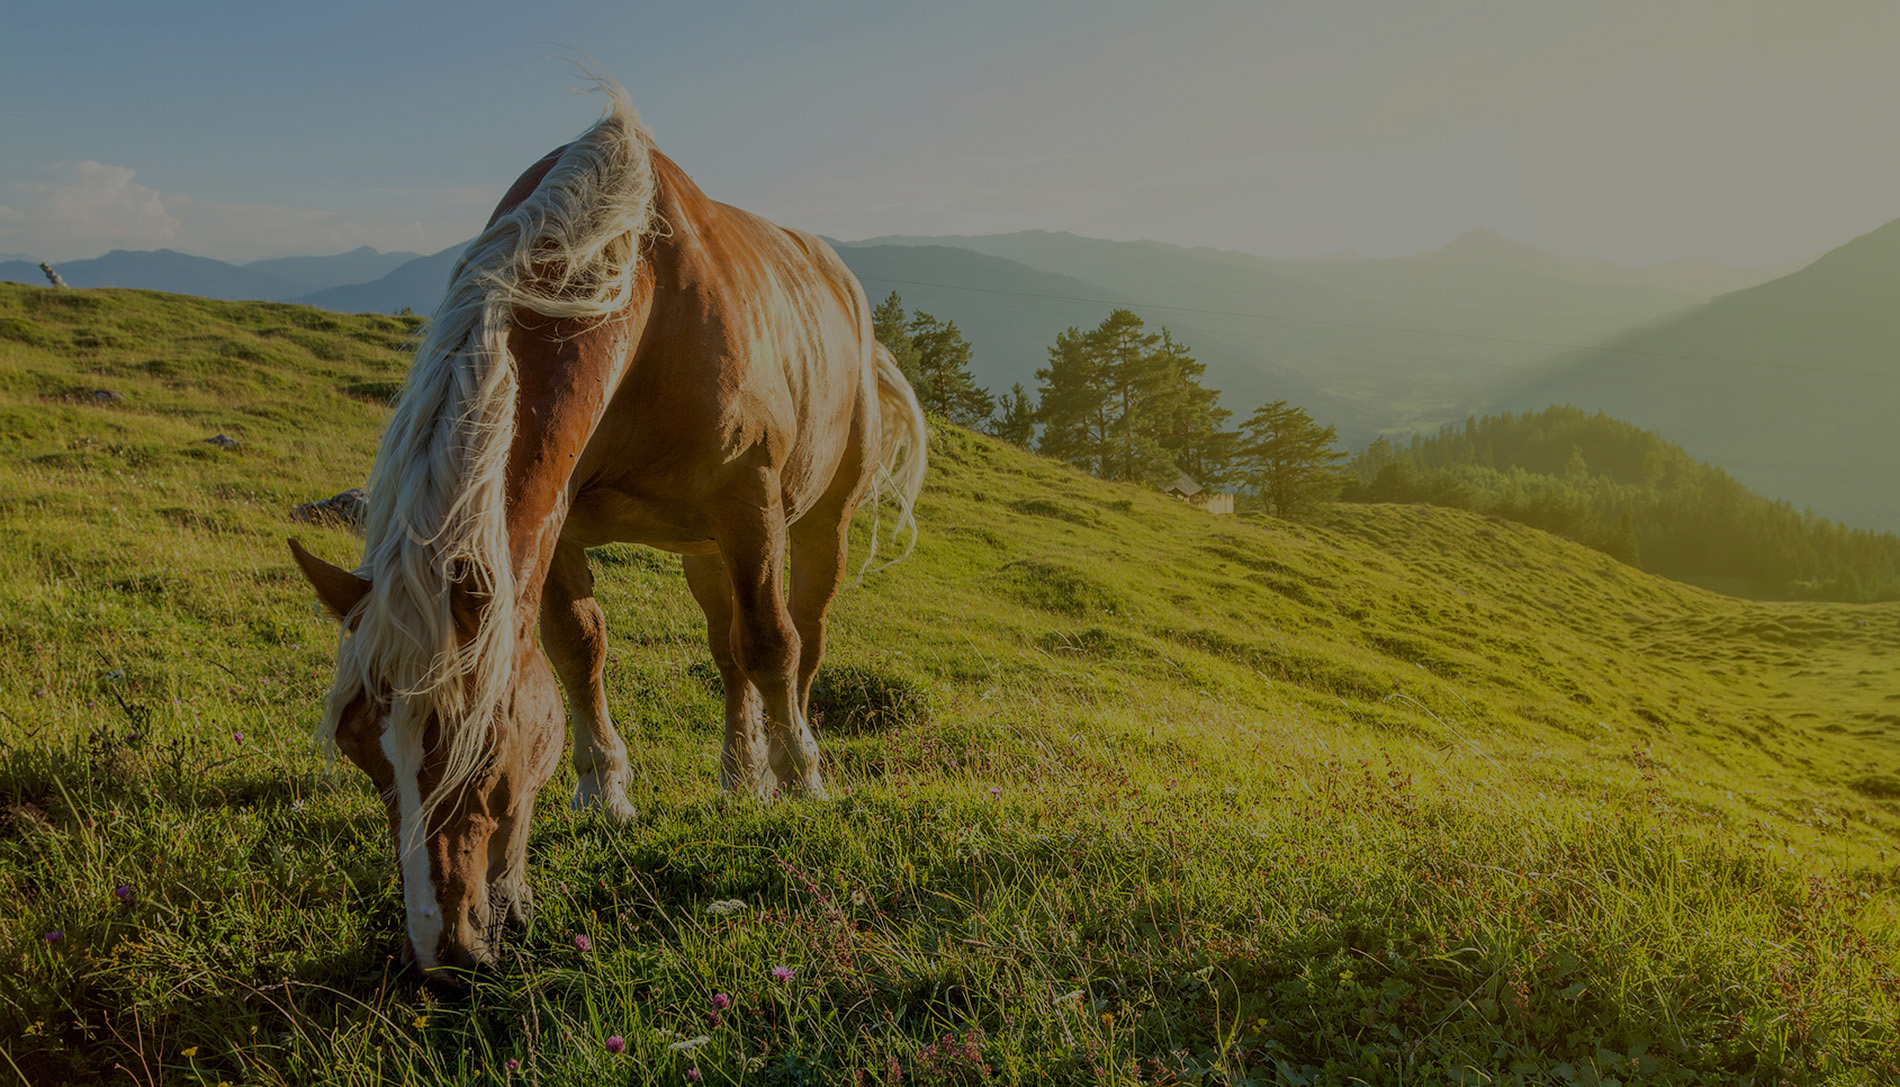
pixel 618 358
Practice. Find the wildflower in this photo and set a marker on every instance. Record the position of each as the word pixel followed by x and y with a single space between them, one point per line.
pixel 712 1019
pixel 721 1001
pixel 783 973
pixel 189 1051
pixel 995 791
pixel 511 1065
pixel 54 936
pixel 238 736
pixel 725 906
pixel 421 1021
pixel 692 1075
pixel 123 892
pixel 616 1044
pixel 582 943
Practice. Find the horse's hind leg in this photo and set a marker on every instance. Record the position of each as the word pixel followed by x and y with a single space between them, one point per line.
pixel 743 762
pixel 818 563
pixel 575 635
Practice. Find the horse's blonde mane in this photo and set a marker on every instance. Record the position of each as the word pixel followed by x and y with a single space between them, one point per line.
pixel 436 505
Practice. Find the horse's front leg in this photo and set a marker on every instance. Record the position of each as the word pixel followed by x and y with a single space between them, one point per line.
pixel 574 633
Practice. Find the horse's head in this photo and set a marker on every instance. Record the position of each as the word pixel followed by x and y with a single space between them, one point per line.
pixel 462 849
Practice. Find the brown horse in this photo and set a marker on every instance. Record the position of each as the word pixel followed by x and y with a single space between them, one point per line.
pixel 618 358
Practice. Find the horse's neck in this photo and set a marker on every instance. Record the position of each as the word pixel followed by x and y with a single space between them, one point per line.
pixel 566 373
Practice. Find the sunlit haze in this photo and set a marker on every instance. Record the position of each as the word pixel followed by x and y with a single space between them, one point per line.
pixel 1751 132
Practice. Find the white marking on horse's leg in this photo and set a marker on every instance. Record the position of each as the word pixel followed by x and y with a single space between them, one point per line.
pixel 574 633
pixel 600 759
pixel 794 754
pixel 422 912
pixel 745 763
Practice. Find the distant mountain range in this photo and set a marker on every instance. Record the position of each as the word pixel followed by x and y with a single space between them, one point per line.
pixel 415 284
pixel 1793 386
pixel 359 265
pixel 285 279
pixel 1383 343
pixel 1790 384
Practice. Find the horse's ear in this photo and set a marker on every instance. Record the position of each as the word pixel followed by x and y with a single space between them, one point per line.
pixel 339 590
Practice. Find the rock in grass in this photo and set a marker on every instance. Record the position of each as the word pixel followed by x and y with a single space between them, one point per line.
pixel 343 510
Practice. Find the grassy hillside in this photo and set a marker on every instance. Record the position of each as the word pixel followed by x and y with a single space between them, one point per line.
pixel 1125 793
pixel 1631 494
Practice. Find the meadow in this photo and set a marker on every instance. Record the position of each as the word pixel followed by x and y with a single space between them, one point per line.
pixel 1123 793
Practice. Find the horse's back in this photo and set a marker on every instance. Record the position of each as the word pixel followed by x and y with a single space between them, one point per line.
pixel 756 360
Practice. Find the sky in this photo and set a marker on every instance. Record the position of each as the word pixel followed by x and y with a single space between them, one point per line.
pixel 1754 133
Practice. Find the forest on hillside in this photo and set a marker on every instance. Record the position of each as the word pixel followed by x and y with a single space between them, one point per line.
pixel 1628 492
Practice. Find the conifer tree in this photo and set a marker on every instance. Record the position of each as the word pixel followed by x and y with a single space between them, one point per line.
pixel 1015 417
pixel 1073 404
pixel 1191 418
pixel 1137 380
pixel 943 383
pixel 892 327
pixel 1124 403
pixel 1290 459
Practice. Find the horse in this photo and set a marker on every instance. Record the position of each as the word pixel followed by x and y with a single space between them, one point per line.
pixel 618 358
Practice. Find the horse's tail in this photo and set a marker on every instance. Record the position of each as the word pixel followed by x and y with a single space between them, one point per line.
pixel 902 460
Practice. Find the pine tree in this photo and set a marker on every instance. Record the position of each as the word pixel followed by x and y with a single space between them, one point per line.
pixel 1124 403
pixel 1073 404
pixel 943 382
pixel 892 327
pixel 1289 459
pixel 1015 417
pixel 1191 418
pixel 1137 380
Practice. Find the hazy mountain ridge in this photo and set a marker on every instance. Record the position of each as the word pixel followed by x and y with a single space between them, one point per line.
pixel 277 279
pixel 163 270
pixel 359 265
pixel 1011 313
pixel 1791 385
pixel 415 284
pixel 1394 343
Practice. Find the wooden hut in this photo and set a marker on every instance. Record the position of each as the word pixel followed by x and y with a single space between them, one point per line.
pixel 1187 490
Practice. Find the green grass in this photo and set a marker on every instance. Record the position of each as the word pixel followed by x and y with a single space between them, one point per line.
pixel 1125 793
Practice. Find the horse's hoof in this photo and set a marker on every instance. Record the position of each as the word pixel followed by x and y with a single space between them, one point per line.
pixel 766 788
pixel 610 800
